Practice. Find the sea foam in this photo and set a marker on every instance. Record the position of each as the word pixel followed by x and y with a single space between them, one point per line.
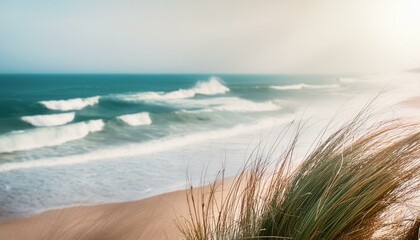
pixel 211 87
pixel 229 104
pixel 247 106
pixel 136 119
pixel 70 104
pixel 305 86
pixel 49 120
pixel 154 146
pixel 45 137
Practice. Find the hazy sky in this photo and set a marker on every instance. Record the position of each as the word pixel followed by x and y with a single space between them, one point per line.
pixel 209 36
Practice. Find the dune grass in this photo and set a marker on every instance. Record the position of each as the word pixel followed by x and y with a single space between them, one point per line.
pixel 351 186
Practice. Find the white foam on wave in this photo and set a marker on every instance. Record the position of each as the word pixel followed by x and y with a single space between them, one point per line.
pixel 350 80
pixel 136 119
pixel 45 137
pixel 150 147
pixel 70 104
pixel 305 86
pixel 211 87
pixel 49 120
pixel 229 104
pixel 248 106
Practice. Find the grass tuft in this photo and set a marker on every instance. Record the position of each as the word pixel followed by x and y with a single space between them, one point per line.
pixel 349 187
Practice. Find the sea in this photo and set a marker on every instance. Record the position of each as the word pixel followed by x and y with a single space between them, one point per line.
pixel 83 139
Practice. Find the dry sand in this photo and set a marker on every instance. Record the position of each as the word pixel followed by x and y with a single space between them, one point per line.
pixel 151 218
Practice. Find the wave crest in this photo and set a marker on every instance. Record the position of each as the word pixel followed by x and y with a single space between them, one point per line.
pixel 70 104
pixel 212 86
pixel 305 86
pixel 46 137
pixel 136 119
pixel 49 120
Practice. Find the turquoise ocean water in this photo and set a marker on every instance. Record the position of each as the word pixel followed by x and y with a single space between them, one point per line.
pixel 86 139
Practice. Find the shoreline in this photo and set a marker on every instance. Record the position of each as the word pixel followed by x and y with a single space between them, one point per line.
pixel 149 218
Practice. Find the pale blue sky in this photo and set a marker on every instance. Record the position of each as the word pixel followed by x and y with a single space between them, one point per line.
pixel 128 36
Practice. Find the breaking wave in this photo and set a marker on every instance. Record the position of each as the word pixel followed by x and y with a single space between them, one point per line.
pixel 211 87
pixel 49 120
pixel 136 119
pixel 70 104
pixel 305 86
pixel 154 146
pixel 45 137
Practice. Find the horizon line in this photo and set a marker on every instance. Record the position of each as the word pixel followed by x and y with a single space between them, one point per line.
pixel 169 73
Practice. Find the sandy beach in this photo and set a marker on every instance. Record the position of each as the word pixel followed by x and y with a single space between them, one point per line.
pixel 151 218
